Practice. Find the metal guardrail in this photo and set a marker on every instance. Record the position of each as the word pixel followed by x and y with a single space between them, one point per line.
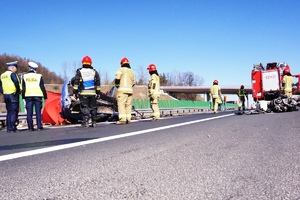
pixel 22 116
pixel 21 119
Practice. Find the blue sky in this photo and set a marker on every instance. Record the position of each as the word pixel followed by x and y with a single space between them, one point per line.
pixel 214 39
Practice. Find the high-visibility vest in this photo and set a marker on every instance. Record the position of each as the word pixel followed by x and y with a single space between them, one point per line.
pixel 32 85
pixel 8 85
pixel 241 93
pixel 88 81
pixel 127 80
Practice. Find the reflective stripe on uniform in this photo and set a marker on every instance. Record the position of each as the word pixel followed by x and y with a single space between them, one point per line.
pixel 7 84
pixel 32 84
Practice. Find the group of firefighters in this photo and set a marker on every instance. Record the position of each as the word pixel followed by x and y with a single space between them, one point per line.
pixel 86 87
pixel 216 95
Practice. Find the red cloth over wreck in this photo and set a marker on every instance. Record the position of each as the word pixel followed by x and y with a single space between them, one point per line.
pixel 52 108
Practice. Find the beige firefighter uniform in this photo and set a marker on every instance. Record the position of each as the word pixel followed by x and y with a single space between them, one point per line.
pixel 126 78
pixel 154 94
pixel 287 85
pixel 215 93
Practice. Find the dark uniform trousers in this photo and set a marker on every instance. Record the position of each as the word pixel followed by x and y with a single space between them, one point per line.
pixel 241 102
pixel 88 105
pixel 12 107
pixel 36 103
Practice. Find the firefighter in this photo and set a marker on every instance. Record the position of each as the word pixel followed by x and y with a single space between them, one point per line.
pixel 241 98
pixel 215 93
pixel 10 88
pixel 287 82
pixel 87 89
pixel 33 91
pixel 154 90
pixel 124 81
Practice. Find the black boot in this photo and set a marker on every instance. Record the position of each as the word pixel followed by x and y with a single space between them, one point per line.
pixel 94 121
pixel 85 122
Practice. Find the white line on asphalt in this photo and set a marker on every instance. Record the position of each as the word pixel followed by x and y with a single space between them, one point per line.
pixel 76 144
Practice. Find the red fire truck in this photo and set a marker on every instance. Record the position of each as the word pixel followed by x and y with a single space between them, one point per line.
pixel 267 82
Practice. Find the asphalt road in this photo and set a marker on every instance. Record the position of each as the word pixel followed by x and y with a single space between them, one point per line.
pixel 198 156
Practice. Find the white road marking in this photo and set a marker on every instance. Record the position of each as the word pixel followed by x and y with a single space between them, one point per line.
pixel 76 144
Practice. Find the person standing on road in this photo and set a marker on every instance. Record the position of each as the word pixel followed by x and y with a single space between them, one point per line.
pixel 215 93
pixel 33 91
pixel 241 95
pixel 10 88
pixel 287 82
pixel 124 82
pixel 154 90
pixel 87 88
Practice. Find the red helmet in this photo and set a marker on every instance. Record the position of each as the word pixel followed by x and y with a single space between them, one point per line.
pixel 86 60
pixel 216 81
pixel 151 68
pixel 286 70
pixel 124 61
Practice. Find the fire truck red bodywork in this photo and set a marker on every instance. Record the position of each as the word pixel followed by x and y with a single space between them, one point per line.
pixel 267 81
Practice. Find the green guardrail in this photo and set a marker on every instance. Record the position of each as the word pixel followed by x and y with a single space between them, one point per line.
pixel 145 104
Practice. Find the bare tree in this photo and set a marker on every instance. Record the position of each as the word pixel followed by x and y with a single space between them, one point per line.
pixel 105 79
pixel 184 79
pixel 142 75
pixel 65 71
pixel 69 70
pixel 190 79
pixel 75 66
pixel 163 80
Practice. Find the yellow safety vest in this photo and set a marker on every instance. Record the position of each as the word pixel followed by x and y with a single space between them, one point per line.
pixel 7 84
pixel 241 93
pixel 32 85
pixel 127 80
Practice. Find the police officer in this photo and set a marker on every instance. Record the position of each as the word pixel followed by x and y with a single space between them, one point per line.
pixel 287 82
pixel 10 88
pixel 87 88
pixel 215 93
pixel 241 95
pixel 124 81
pixel 154 90
pixel 33 91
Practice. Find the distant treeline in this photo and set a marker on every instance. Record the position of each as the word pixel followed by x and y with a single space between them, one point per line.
pixel 48 76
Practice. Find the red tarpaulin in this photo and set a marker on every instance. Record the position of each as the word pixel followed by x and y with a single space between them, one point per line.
pixel 52 109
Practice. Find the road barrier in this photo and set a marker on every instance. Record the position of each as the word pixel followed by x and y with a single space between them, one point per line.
pixel 145 104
